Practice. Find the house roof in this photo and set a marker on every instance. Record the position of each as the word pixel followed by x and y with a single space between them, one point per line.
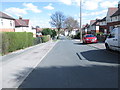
pixel 111 11
pixel 21 22
pixel 27 21
pixel 116 13
pixel 3 15
pixel 85 26
pixel 104 19
pixel 97 22
pixel 92 21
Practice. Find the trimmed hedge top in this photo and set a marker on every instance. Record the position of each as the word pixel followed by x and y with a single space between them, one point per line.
pixel 12 41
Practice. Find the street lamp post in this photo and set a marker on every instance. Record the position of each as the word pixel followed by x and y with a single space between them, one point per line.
pixel 81 20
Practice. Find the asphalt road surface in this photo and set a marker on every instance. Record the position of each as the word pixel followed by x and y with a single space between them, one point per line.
pixel 74 65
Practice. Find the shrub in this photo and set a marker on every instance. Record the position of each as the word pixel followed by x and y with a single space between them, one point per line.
pixel 50 32
pixel 77 36
pixel 12 41
pixel 37 40
pixel 47 31
pixel 99 33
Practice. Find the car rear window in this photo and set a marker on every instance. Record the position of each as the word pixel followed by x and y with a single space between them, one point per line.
pixel 89 35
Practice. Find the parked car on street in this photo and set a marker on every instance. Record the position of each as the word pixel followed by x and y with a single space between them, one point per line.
pixel 90 38
pixel 113 40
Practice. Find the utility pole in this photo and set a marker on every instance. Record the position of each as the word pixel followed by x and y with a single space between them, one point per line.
pixel 81 20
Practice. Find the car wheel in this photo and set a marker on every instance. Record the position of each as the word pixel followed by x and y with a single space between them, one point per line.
pixel 107 47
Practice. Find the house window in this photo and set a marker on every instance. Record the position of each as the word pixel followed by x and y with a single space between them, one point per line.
pixel 116 18
pixel 10 23
pixel 2 22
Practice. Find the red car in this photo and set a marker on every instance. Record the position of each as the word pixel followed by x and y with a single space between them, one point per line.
pixel 89 38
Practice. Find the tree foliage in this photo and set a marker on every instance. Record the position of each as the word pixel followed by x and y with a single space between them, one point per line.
pixel 53 33
pixel 46 31
pixel 50 32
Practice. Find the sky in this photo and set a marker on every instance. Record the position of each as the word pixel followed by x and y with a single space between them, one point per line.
pixel 39 11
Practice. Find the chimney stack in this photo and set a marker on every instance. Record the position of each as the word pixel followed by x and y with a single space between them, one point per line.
pixel 20 17
pixel 119 4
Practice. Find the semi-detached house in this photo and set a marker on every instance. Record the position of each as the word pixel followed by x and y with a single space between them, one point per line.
pixel 24 25
pixel 111 20
pixel 7 23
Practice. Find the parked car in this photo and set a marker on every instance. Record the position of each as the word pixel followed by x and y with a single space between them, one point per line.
pixel 113 40
pixel 90 38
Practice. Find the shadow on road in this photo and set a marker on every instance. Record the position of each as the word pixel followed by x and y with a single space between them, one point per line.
pixel 79 44
pixel 101 55
pixel 72 77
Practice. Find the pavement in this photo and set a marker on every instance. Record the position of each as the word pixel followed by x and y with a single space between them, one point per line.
pixel 98 45
pixel 13 64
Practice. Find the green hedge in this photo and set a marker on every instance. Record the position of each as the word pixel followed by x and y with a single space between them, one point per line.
pixel 12 41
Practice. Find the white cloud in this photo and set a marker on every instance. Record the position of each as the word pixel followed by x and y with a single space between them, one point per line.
pixel 90 5
pixel 16 11
pixel 49 7
pixel 23 11
pixel 30 6
pixel 103 12
pixel 96 15
pixel 85 21
pixel 107 4
pixel 49 14
pixel 77 2
pixel 67 2
pixel 43 23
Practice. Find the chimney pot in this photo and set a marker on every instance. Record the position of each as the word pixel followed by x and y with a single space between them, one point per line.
pixel 20 17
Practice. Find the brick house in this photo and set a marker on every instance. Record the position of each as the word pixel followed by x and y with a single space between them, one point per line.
pixel 94 26
pixel 115 18
pixel 103 25
pixel 110 21
pixel 86 29
pixel 7 23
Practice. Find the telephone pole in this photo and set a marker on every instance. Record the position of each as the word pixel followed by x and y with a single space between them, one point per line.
pixel 81 20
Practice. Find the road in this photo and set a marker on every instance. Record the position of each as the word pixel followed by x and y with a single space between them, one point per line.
pixel 74 65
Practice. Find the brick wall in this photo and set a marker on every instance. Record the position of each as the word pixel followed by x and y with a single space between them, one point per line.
pixel 7 30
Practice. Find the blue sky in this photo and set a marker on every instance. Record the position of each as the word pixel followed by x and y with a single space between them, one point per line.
pixel 39 11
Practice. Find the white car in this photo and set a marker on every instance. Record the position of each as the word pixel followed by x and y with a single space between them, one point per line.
pixel 113 40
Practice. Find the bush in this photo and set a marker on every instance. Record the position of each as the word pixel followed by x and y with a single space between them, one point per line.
pixel 47 31
pixel 99 33
pixel 37 40
pixel 45 38
pixel 12 41
pixel 77 36
pixel 50 32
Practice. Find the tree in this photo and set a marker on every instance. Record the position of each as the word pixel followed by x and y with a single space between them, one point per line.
pixel 50 32
pixel 46 31
pixel 53 34
pixel 57 20
pixel 70 23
